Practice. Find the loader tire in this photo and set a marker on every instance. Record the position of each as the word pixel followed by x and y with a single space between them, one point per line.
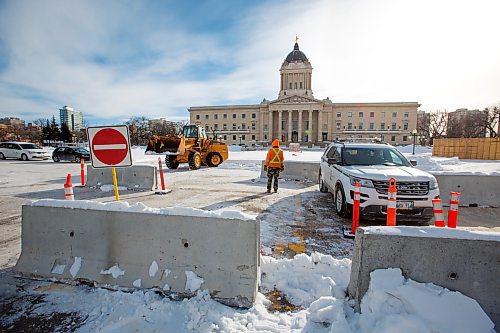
pixel 171 162
pixel 194 161
pixel 214 160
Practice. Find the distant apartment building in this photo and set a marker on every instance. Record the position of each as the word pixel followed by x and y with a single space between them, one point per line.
pixel 74 119
pixel 11 121
pixel 296 116
pixel 465 123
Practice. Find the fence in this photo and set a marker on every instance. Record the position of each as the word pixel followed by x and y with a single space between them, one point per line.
pixel 475 149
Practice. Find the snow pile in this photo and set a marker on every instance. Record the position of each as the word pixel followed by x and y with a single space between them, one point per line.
pixel 393 304
pixel 408 149
pixel 318 283
pixel 110 187
pixel 433 232
pixel 139 207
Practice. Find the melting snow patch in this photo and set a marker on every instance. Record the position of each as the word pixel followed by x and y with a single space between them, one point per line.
pixel 109 188
pixel 115 271
pixel 153 269
pixel 137 283
pixel 193 281
pixel 75 268
pixel 58 269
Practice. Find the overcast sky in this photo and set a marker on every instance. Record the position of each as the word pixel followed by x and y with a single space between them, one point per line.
pixel 117 59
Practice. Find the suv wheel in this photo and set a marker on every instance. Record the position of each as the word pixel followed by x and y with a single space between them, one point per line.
pixel 2 156
pixel 340 203
pixel 171 161
pixel 24 157
pixel 195 161
pixel 322 186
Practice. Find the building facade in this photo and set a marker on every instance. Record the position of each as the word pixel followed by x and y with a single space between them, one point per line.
pixel 296 116
pixel 74 119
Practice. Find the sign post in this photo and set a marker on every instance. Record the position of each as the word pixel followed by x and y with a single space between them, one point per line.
pixel 110 148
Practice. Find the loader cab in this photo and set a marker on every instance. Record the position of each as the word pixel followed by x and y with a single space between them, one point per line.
pixel 194 132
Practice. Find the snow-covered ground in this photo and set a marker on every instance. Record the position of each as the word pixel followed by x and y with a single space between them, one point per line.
pixel 311 289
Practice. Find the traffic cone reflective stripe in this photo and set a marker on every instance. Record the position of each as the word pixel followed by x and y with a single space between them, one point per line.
pixel 391 203
pixel 355 208
pixel 453 212
pixel 438 212
pixel 68 188
pixel 161 175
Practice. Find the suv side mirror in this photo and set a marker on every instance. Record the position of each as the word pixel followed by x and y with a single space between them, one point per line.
pixel 413 162
pixel 332 161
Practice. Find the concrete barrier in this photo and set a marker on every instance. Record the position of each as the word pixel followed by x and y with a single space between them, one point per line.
pixel 297 170
pixel 174 253
pixel 456 259
pixel 482 190
pixel 137 177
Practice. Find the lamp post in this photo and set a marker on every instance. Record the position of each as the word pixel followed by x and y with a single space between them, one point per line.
pixel 414 133
pixel 240 139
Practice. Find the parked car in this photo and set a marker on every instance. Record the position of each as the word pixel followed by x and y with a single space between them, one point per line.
pixel 70 154
pixel 22 150
pixel 372 165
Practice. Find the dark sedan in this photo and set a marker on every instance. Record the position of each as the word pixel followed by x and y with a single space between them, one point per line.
pixel 70 154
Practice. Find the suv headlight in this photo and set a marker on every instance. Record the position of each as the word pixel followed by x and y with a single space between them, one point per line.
pixel 433 184
pixel 363 182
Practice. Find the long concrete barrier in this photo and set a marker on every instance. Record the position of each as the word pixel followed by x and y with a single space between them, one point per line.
pixel 137 177
pixel 456 259
pixel 140 247
pixel 474 189
pixel 297 170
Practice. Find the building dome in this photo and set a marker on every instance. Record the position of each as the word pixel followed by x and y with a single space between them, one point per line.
pixel 296 55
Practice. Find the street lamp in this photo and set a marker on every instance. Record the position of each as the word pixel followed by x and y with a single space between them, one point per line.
pixel 414 133
pixel 240 139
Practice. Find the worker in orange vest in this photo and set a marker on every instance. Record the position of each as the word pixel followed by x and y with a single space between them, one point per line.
pixel 273 165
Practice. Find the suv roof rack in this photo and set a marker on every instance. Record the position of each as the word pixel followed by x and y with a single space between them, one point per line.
pixel 363 140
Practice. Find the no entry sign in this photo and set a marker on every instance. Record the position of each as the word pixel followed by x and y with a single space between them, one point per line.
pixel 109 146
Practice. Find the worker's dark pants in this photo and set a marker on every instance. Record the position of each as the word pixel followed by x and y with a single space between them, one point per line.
pixel 272 173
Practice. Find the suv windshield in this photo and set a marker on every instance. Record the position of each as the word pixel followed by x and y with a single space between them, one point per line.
pixel 373 156
pixel 29 146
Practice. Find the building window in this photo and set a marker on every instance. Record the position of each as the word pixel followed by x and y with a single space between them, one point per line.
pixel 283 124
pixel 394 114
pixel 265 136
pixel 406 115
pixel 339 114
pixel 224 116
pixel 394 126
pixel 382 126
pixel 349 126
pixel 338 126
pixel 372 126
pixel 206 128
pixel 290 85
pixel 197 117
pixel 243 126
pixel 234 137
pixel 372 114
pixel 243 137
pixel 207 117
pixel 405 126
pixel 253 137
pixel 253 126
pixel 295 85
pixel 300 85
pixel 254 115
pixel 216 116
pixel 224 127
pixel 234 127
pixel 243 115
pixel 383 114
pixel 234 115
pixel 360 126
pixel 349 114
pixel 360 114
pixel 405 138
pixel 265 127
pixel 225 137
pixel 393 138
pixel 216 126
pixel 307 124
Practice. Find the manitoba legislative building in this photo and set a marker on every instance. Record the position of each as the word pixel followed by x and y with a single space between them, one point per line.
pixel 297 116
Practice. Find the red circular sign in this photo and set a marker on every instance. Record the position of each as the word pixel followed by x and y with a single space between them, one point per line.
pixel 109 146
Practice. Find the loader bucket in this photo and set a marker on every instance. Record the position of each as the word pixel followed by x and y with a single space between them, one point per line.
pixel 140 247
pixel 164 144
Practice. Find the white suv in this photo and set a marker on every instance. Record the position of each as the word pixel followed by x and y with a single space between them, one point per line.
pixel 372 165
pixel 23 150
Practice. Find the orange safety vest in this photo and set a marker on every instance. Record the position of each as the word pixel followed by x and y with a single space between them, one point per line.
pixel 274 158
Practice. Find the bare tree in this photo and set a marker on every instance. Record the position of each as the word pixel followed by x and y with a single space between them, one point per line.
pixel 437 124
pixel 492 120
pixel 423 128
pixel 139 130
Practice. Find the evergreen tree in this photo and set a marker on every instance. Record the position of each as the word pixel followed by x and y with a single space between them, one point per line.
pixel 55 133
pixel 66 135
pixel 46 130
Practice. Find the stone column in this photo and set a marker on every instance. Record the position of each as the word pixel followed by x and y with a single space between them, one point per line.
pixel 261 125
pixel 270 127
pixel 290 113
pixel 309 129
pixel 299 137
pixel 280 119
pixel 320 126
